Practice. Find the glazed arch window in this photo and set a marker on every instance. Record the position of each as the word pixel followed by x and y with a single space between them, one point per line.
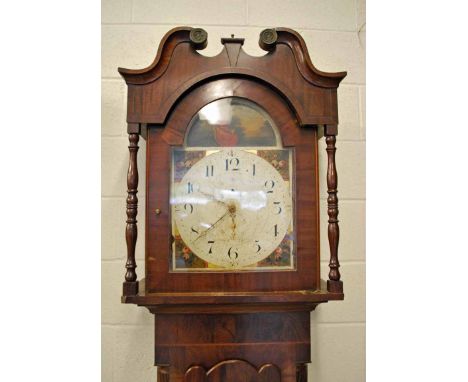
pixel 232 122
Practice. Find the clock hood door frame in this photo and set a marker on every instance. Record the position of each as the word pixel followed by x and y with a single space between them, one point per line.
pixel 158 226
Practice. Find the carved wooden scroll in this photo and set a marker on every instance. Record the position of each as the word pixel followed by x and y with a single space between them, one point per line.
pixel 233 370
pixel 334 284
pixel 130 286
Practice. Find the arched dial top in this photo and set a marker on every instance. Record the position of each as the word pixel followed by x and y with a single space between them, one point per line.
pixel 232 208
pixel 232 121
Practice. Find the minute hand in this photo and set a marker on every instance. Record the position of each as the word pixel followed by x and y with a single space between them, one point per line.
pixel 212 197
pixel 212 226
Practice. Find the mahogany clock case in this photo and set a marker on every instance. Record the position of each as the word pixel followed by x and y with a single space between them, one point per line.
pixel 231 326
pixel 158 234
pixel 163 99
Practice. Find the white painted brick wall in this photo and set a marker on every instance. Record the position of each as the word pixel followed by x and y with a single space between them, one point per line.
pixel 334 31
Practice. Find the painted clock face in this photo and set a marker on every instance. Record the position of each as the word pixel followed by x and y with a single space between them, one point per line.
pixel 232 208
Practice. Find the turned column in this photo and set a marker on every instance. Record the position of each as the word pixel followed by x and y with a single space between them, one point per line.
pixel 130 285
pixel 334 284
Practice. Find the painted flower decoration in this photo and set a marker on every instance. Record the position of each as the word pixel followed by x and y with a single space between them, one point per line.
pixel 186 253
pixel 278 252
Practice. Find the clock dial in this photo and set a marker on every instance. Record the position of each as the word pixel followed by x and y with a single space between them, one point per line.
pixel 232 208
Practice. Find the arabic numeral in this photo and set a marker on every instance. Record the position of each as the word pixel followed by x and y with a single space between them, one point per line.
pixel 258 246
pixel 211 246
pixel 232 164
pixel 277 205
pixel 233 254
pixel 188 208
pixel 269 185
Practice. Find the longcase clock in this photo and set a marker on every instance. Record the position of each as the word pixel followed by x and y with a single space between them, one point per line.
pixel 232 262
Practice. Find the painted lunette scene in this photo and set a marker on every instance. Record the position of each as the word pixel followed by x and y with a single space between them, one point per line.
pixel 184 259
pixel 232 122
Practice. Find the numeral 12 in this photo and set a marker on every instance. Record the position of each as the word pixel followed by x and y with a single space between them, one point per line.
pixel 234 163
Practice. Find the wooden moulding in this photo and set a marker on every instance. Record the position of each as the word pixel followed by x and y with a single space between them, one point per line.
pixel 153 91
pixel 239 302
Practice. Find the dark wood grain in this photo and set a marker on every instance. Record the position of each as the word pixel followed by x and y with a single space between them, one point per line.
pixel 158 234
pixel 287 68
pixel 334 282
pixel 130 286
pixel 231 326
pixel 163 374
pixel 208 347
pixel 233 370
pixel 239 302
pixel 301 372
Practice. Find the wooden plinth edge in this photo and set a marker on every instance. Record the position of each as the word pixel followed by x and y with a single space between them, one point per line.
pixel 215 302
